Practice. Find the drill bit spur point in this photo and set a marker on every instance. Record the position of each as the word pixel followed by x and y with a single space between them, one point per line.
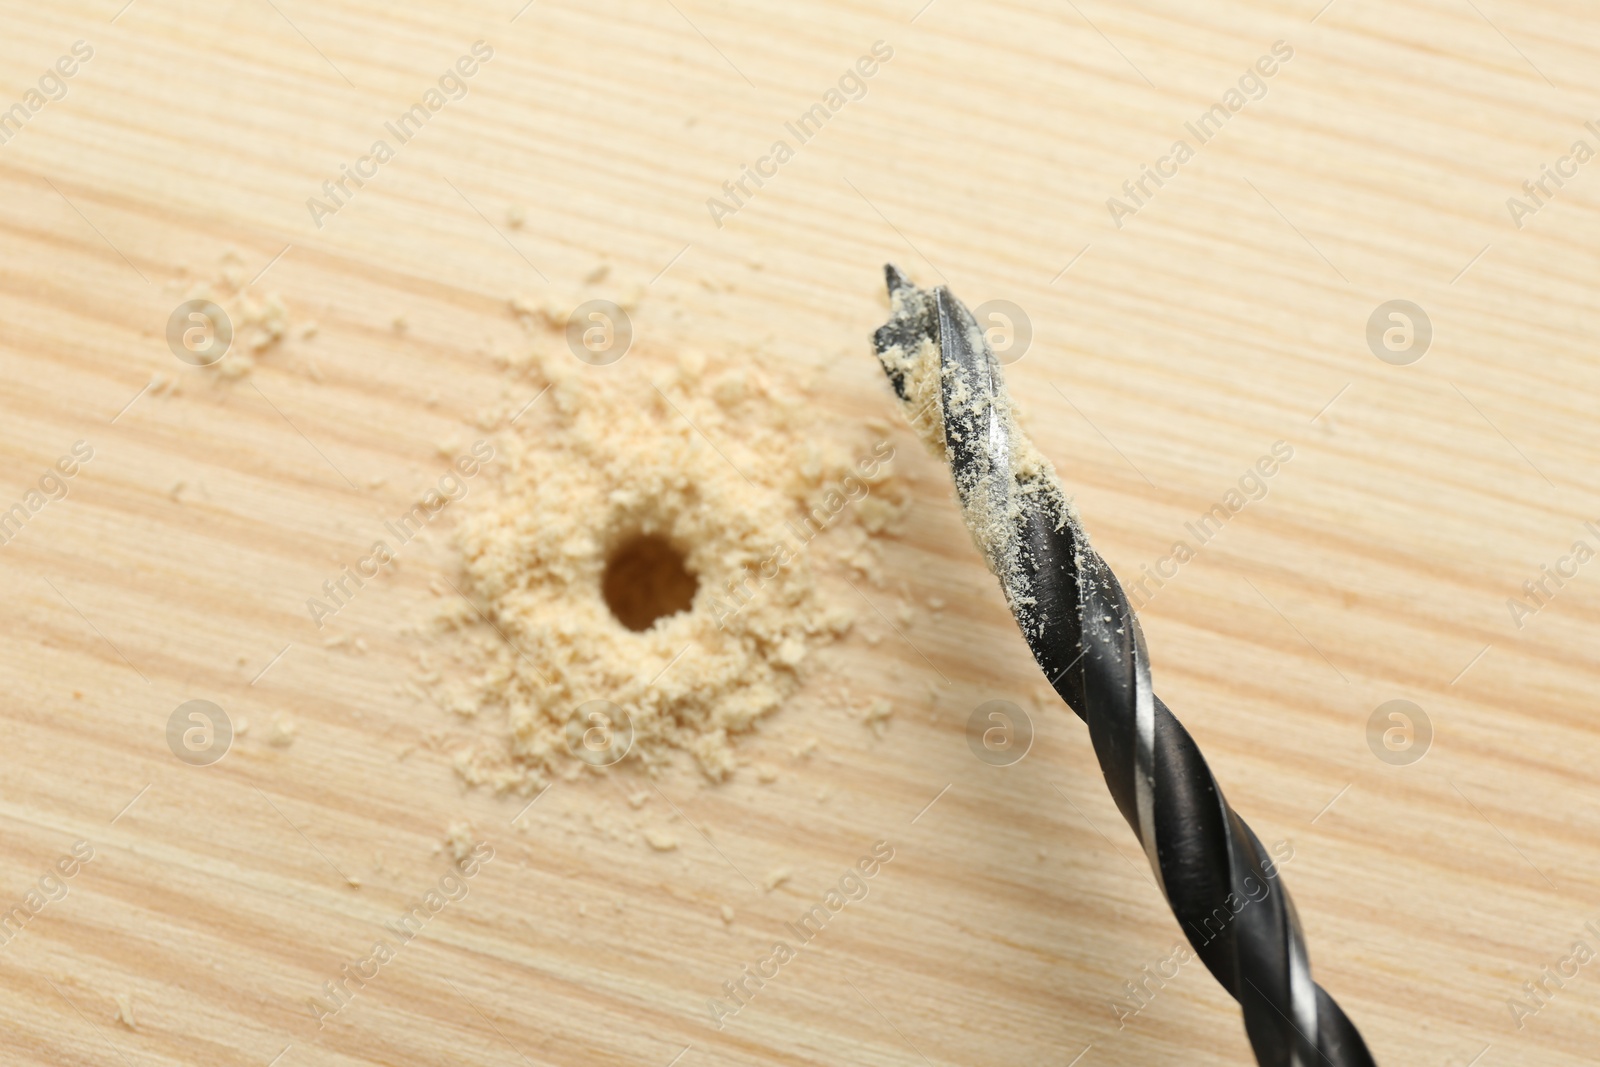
pixel 1085 637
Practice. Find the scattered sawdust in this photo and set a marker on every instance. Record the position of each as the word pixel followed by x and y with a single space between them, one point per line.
pixel 124 1014
pixel 875 716
pixel 660 840
pixel 459 840
pixel 727 915
pixel 776 878
pixel 356 646
pixel 260 321
pixel 549 308
pixel 283 731
pixel 722 458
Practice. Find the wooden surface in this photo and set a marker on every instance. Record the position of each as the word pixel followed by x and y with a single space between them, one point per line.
pixel 1225 315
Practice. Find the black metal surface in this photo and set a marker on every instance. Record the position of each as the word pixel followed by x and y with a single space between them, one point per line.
pixel 1219 881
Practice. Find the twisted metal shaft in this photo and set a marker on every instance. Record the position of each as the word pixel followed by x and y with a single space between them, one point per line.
pixel 1218 879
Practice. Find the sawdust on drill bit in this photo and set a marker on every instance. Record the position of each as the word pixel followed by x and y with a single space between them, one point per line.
pixel 919 369
pixel 729 464
pixel 938 401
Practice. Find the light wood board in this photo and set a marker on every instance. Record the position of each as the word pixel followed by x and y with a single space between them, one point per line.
pixel 1168 354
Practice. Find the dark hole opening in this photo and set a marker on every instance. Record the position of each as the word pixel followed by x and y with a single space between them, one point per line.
pixel 646 580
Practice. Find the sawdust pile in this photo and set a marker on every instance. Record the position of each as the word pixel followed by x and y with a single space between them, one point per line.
pixel 716 473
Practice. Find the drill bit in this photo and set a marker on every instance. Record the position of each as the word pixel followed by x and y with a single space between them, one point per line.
pixel 1217 878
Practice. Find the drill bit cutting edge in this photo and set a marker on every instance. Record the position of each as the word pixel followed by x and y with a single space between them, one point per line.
pixel 1084 635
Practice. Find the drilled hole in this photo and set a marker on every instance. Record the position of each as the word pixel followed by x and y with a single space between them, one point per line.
pixel 646 580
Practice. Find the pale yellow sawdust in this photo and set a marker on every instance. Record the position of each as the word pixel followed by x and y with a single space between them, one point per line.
pixel 260 319
pixel 991 516
pixel 721 456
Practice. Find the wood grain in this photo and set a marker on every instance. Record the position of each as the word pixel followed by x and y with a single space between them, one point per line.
pixel 1228 313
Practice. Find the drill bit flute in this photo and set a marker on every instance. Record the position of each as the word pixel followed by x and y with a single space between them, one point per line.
pixel 1072 611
